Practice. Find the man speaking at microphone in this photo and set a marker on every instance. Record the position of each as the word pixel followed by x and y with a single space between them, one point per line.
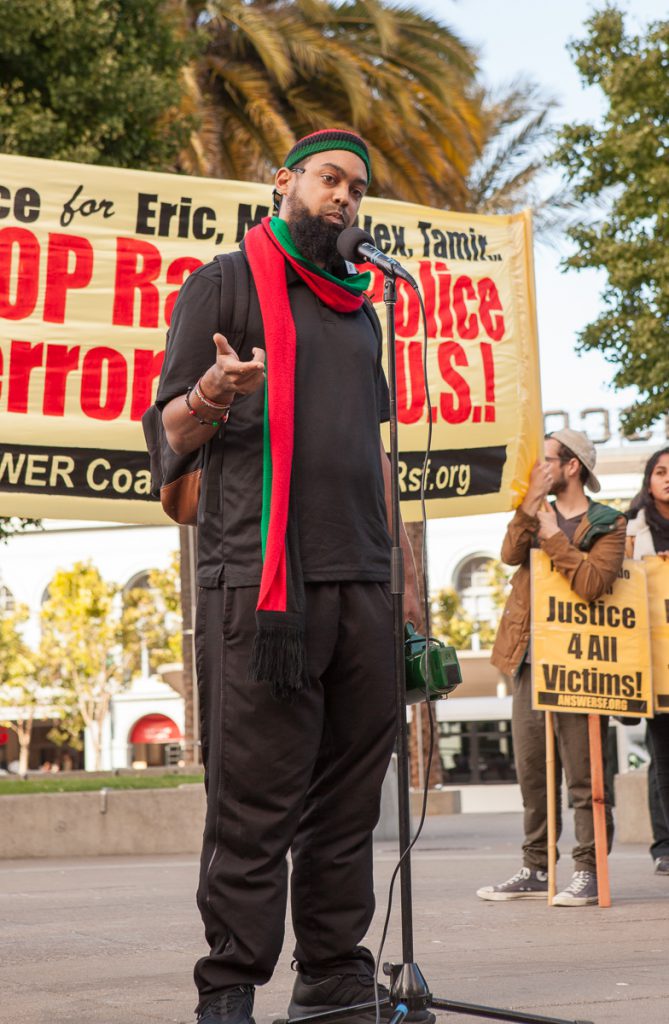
pixel 294 627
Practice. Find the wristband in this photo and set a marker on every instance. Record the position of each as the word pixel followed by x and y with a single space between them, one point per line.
pixel 208 401
pixel 205 423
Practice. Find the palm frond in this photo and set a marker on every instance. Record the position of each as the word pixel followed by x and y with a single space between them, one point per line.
pixel 275 69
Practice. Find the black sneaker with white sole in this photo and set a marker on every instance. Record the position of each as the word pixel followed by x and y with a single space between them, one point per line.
pixel 233 1005
pixel 338 991
pixel 662 865
pixel 526 884
pixel 581 891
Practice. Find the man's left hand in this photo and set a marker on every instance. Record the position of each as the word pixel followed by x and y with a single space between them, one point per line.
pixel 548 524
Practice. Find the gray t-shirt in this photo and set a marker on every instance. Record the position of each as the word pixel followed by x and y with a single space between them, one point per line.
pixel 568 526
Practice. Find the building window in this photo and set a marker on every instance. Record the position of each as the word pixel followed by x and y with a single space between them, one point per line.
pixel 7 602
pixel 140 581
pixel 476 752
pixel 472 582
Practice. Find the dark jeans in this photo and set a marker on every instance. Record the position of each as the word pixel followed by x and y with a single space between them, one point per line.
pixel 657 738
pixel 572 755
pixel 304 777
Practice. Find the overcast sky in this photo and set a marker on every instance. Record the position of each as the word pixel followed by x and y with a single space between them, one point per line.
pixel 527 36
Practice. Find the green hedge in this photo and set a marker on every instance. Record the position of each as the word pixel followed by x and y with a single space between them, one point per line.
pixel 63 784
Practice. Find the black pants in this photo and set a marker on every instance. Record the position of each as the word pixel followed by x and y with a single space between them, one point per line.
pixel 304 777
pixel 657 738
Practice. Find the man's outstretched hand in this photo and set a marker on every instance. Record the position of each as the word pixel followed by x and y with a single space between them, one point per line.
pixel 230 376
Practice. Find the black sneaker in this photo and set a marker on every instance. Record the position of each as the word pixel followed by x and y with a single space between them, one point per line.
pixel 662 865
pixel 581 891
pixel 526 884
pixel 232 1006
pixel 338 991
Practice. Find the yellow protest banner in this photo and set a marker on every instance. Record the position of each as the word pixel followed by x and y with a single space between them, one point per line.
pixel 91 261
pixel 657 576
pixel 592 658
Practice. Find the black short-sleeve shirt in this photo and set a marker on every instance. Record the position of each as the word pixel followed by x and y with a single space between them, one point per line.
pixel 341 396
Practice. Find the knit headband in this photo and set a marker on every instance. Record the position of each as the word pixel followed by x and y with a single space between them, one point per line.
pixel 327 139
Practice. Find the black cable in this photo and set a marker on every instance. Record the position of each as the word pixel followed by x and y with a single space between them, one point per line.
pixel 426 605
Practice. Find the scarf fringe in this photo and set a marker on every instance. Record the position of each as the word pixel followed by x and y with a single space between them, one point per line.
pixel 278 659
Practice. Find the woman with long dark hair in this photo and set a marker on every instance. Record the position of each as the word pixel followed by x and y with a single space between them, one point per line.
pixel 648 534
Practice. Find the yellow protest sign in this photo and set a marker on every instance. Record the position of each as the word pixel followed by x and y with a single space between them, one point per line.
pixel 592 657
pixel 657 576
pixel 91 261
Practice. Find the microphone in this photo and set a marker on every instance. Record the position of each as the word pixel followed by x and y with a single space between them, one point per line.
pixel 357 246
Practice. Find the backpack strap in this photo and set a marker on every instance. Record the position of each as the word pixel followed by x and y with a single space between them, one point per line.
pixel 235 297
pixel 232 319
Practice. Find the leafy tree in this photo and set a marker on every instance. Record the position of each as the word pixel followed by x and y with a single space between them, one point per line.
pixel 622 164
pixel 80 653
pixel 19 686
pixel 68 728
pixel 151 621
pixel 92 81
pixel 96 81
pixel 272 71
pixel 453 624
pixel 94 639
pixel 15 524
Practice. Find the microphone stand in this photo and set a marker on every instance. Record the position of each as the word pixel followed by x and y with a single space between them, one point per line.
pixel 409 991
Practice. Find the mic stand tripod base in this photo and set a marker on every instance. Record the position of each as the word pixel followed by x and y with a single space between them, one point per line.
pixel 417 999
pixel 409 995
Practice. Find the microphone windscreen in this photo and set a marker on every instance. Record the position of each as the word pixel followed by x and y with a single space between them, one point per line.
pixel 348 242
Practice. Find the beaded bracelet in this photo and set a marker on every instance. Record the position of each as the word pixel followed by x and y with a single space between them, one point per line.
pixel 205 423
pixel 208 401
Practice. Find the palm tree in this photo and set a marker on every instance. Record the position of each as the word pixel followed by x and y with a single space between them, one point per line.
pixel 513 166
pixel 273 70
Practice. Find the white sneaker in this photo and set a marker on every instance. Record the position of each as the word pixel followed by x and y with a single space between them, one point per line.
pixel 526 884
pixel 581 891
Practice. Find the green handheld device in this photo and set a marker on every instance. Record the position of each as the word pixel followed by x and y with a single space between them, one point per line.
pixel 444 671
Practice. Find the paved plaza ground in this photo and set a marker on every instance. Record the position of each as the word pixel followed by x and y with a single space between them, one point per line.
pixel 113 940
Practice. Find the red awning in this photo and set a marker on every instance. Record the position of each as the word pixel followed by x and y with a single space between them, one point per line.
pixel 155 729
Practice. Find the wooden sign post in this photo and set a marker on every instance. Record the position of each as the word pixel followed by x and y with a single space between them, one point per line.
pixel 551 808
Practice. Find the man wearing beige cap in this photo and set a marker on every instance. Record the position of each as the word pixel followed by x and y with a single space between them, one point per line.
pixel 585 541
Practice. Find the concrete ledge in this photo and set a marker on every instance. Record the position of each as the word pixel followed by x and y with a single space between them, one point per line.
pixel 439 801
pixel 631 813
pixel 126 821
pixel 110 822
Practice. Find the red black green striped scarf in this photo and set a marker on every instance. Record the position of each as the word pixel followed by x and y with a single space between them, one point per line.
pixel 279 656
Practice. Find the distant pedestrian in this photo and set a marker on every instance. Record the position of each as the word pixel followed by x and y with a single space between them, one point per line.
pixel 648 534
pixel 585 541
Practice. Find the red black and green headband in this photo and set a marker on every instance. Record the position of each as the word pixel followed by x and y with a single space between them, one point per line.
pixel 327 139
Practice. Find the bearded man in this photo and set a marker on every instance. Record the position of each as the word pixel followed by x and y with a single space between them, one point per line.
pixel 585 541
pixel 294 627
